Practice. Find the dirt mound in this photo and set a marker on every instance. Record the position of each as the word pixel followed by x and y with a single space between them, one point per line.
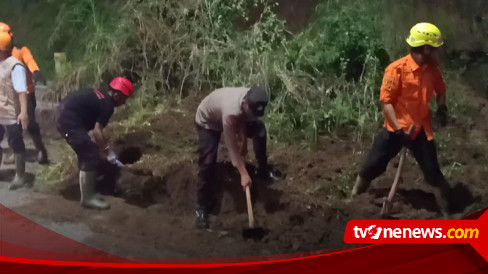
pixel 307 210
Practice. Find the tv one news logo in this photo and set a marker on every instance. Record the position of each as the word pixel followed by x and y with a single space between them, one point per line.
pixel 411 231
pixel 375 232
pixel 466 231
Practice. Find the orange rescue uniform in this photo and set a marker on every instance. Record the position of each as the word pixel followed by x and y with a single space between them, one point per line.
pixel 409 89
pixel 24 55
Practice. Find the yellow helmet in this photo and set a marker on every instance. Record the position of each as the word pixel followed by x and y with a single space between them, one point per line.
pixel 5 41
pixel 425 34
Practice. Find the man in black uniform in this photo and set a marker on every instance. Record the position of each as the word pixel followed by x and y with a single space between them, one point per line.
pixel 90 110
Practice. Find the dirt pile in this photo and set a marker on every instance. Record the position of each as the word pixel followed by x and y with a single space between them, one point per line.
pixel 307 210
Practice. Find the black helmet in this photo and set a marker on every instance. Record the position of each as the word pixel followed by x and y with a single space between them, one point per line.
pixel 257 99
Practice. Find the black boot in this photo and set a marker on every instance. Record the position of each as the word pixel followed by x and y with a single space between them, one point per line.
pixel 41 149
pixel 268 173
pixel 42 157
pixel 202 218
pixel 360 186
pixel 257 131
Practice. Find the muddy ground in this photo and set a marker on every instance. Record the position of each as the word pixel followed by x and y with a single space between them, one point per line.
pixel 152 198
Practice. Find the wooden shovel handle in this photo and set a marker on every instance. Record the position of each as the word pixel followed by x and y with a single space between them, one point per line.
pixel 403 152
pixel 250 214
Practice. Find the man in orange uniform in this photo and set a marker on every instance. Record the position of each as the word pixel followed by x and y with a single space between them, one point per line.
pixel 24 55
pixel 408 85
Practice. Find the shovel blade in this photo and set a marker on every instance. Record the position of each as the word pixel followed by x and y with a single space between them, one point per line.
pixel 256 234
pixel 385 208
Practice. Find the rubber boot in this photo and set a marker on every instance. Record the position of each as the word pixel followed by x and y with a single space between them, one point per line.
pixel 89 199
pixel 360 186
pixel 202 218
pixel 10 159
pixel 19 180
pixel 41 150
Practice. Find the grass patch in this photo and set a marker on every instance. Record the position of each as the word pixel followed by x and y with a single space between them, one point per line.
pixel 51 177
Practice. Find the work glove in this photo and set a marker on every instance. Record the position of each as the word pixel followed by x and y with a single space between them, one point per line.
pixel 441 115
pixel 402 137
pixel 38 78
pixel 111 157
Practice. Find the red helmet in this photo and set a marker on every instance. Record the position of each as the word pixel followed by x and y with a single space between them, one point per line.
pixel 123 85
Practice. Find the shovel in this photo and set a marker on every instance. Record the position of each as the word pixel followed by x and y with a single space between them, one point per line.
pixel 387 200
pixel 119 163
pixel 251 232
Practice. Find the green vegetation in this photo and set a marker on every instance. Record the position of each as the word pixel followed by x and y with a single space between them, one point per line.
pixel 321 79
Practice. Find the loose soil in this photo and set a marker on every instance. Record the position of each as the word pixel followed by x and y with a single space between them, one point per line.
pixel 152 198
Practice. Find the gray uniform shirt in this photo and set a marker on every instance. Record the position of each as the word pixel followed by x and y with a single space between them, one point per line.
pixel 219 105
pixel 222 111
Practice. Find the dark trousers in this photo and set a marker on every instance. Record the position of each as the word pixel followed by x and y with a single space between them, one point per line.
pixel 15 139
pixel 208 145
pixel 386 146
pixel 88 153
pixel 33 128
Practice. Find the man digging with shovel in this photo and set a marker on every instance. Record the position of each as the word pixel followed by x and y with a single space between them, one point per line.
pixel 235 112
pixel 90 110
pixel 408 85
